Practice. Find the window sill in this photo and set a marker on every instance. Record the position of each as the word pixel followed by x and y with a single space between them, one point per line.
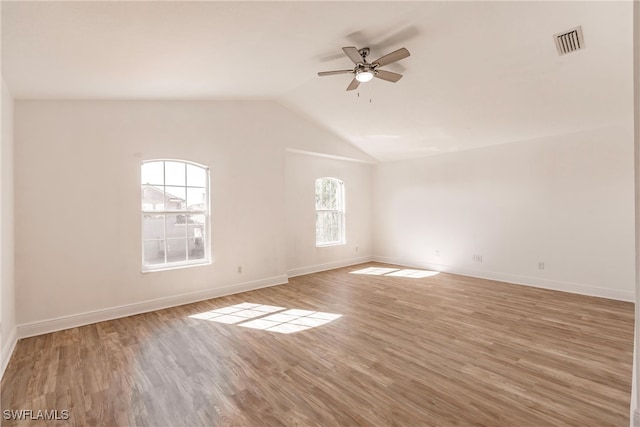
pixel 166 267
pixel 325 245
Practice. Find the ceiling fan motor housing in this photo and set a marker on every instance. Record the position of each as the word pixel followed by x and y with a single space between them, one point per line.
pixel 361 68
pixel 364 52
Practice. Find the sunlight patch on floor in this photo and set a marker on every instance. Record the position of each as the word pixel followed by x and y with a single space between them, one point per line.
pixel 237 313
pixel 374 271
pixel 290 321
pixel 268 317
pixel 395 272
pixel 416 274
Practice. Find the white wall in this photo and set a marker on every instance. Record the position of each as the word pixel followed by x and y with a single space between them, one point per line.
pixel 78 200
pixel 566 201
pixel 7 288
pixel 301 171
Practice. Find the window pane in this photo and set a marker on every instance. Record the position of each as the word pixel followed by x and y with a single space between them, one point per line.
pixel 196 248
pixel 174 173
pixel 196 176
pixel 154 252
pixel 176 250
pixel 177 237
pixel 196 225
pixel 152 173
pixel 153 227
pixel 327 194
pixel 196 199
pixel 176 226
pixel 319 200
pixel 328 227
pixel 175 198
pixel 152 198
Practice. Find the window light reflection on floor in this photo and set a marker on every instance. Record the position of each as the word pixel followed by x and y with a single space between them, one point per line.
pixel 395 272
pixel 268 317
pixel 290 321
pixel 374 271
pixel 237 313
pixel 416 274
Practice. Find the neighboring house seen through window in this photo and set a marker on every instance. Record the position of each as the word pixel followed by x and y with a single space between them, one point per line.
pixel 175 214
pixel 329 212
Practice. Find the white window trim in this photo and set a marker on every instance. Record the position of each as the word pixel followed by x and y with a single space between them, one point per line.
pixel 343 233
pixel 207 260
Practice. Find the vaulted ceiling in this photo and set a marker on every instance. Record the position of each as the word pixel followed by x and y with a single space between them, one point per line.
pixel 480 73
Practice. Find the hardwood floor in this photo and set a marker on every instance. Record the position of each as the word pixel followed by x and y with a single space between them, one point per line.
pixel 436 351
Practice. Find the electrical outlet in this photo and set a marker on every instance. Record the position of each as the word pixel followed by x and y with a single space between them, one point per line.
pixel 239 269
pixel 437 252
pixel 356 249
pixel 477 258
pixel 540 265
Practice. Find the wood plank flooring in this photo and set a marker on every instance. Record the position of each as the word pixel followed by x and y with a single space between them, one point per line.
pixel 444 350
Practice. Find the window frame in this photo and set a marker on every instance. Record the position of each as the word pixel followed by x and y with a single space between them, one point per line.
pixel 342 212
pixel 172 265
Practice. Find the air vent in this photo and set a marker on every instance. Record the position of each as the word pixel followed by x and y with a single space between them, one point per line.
pixel 569 41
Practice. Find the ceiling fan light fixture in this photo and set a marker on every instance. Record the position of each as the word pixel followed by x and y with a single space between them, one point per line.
pixel 364 76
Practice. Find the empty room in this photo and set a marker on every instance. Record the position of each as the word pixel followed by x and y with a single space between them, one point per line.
pixel 307 213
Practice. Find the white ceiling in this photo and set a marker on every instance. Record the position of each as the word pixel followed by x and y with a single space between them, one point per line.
pixel 480 73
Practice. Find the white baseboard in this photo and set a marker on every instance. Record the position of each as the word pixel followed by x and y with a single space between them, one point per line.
pixel 536 282
pixel 635 421
pixel 81 319
pixel 7 351
pixel 301 271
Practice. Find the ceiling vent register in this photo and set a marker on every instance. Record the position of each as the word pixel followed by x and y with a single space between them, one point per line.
pixel 569 41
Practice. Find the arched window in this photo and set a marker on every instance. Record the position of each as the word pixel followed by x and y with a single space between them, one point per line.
pixel 175 214
pixel 329 212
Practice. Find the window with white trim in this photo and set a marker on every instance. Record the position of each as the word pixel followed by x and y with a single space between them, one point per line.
pixel 175 214
pixel 329 212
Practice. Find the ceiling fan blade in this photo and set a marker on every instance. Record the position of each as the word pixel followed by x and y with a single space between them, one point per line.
pixel 353 54
pixel 392 57
pixel 388 75
pixel 353 85
pixel 331 73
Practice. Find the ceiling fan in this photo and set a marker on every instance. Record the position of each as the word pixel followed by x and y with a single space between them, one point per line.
pixel 365 71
